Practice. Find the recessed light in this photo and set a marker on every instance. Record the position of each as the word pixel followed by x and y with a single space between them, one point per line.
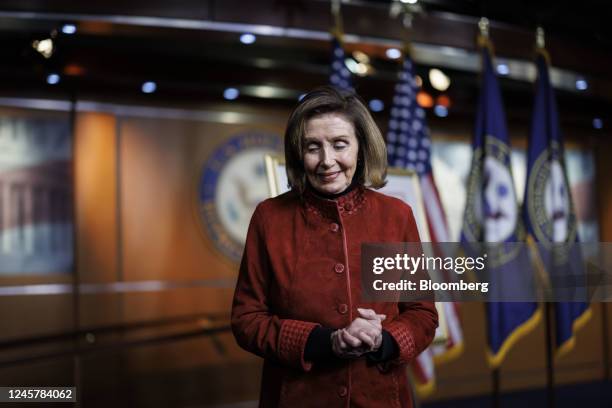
pixel 247 38
pixel 149 87
pixel 231 93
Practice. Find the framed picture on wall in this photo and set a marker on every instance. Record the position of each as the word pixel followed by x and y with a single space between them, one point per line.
pixel 276 174
pixel 405 185
pixel 401 183
pixel 36 193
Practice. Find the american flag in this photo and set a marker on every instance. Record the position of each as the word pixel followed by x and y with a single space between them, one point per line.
pixel 409 146
pixel 339 76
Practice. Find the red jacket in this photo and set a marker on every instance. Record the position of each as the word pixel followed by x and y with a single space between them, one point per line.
pixel 300 269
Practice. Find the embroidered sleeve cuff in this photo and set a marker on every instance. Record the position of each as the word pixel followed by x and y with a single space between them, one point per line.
pixel 403 338
pixel 292 343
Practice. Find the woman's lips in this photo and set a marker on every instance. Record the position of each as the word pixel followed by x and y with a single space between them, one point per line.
pixel 327 177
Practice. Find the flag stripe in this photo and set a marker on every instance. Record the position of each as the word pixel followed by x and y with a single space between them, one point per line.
pixel 409 146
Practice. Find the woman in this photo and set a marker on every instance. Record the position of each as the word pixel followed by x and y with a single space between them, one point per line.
pixel 298 297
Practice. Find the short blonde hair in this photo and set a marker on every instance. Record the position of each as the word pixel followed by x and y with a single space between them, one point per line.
pixel 372 156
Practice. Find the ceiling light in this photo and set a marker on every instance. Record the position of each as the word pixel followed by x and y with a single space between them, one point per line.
pixel 581 84
pixel 68 29
pixel 376 105
pixel 441 111
pixel 503 69
pixel 231 93
pixel 351 64
pixel 53 79
pixel 247 38
pixel 149 87
pixel 358 68
pixel 74 70
pixel 439 80
pixel 361 56
pixel 409 1
pixel 418 81
pixel 264 91
pixel 393 53
pixel 45 47
pixel 424 99
pixel 597 123
pixel 443 100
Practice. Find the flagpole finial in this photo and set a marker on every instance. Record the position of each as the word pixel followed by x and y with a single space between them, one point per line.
pixel 540 46
pixel 540 42
pixel 483 37
pixel 483 26
pixel 335 7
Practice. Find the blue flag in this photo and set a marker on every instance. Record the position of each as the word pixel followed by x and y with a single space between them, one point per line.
pixel 548 209
pixel 339 76
pixel 492 216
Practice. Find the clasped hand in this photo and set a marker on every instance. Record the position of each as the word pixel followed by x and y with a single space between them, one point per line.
pixel 363 335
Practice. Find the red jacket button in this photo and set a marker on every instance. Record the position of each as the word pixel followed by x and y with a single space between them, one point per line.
pixel 342 308
pixel 348 206
pixel 334 227
pixel 342 391
pixel 339 268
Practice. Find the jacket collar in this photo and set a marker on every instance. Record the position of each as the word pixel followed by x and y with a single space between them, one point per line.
pixel 341 207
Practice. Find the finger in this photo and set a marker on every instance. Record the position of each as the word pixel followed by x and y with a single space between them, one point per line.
pixel 350 339
pixel 369 324
pixel 341 343
pixel 358 324
pixel 366 338
pixel 367 313
pixel 377 324
pixel 381 317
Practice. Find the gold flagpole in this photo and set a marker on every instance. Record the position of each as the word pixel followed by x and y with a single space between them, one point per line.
pixel 337 29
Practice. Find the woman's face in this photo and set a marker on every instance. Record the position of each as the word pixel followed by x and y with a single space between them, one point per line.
pixel 330 152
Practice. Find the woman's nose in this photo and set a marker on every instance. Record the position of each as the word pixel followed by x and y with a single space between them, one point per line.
pixel 328 157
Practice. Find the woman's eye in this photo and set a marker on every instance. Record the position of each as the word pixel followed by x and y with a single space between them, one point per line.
pixel 312 148
pixel 340 145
